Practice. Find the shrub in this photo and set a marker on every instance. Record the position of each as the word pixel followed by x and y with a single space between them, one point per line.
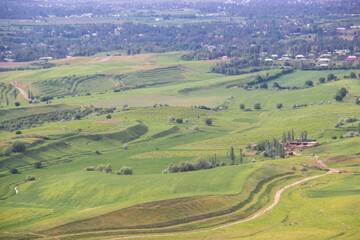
pixel 334 137
pixel 37 165
pixel 208 121
pixel 321 80
pixel 247 109
pixel 125 146
pixel 90 168
pixel 18 132
pixel 17 104
pixel 108 116
pixel 100 167
pixel 108 168
pixel 222 163
pixel 242 106
pixel 97 152
pixel 171 118
pixel 30 178
pixel 14 171
pixel 7 151
pixel 186 120
pixel 18 146
pixel 196 128
pixel 279 106
pixel 257 106
pixel 179 120
pixel 200 163
pixel 352 75
pixel 126 171
pixel 172 168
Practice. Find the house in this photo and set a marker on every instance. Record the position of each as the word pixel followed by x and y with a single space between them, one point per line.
pixel 274 56
pixel 299 146
pixel 351 59
pixel 325 55
pixel 269 60
pixel 300 57
pixel 324 60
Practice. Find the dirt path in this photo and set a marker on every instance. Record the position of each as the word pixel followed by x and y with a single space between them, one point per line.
pixel 262 212
pixel 22 91
pixel 116 83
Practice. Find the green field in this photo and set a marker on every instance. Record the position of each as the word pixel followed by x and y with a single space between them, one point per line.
pixel 69 202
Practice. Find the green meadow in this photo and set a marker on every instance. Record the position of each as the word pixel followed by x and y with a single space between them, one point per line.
pixel 68 202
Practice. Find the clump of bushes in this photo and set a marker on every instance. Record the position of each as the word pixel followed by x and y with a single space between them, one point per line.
pixel 14 171
pixel 197 164
pixel 30 178
pixel 37 165
pixel 90 168
pixel 18 146
pixel 125 171
pixel 342 121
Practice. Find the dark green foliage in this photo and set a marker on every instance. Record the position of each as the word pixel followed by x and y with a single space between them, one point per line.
pixel 108 116
pixel 334 137
pixel 173 168
pixel 90 168
pixel 322 80
pixel 331 77
pixel 18 132
pixel 241 156
pixel 7 151
pixel 232 156
pixel 357 101
pixel 279 106
pixel 37 165
pixel 242 106
pixel 18 146
pixel 273 149
pixel 257 106
pixel 97 152
pixel 30 178
pixel 125 171
pixel 200 164
pixel 14 171
pixel 17 104
pixel 276 85
pixel 309 83
pixel 341 94
pixel 179 120
pixel 264 86
pixel 208 121
pixel 352 75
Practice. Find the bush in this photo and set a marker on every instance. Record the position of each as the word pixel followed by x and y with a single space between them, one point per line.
pixel 108 168
pixel 257 106
pixel 201 163
pixel 108 116
pixel 30 178
pixel 18 146
pixel 242 106
pixel 7 151
pixel 279 106
pixel 334 137
pixel 100 167
pixel 125 146
pixel 126 171
pixel 37 165
pixel 179 120
pixel 196 128
pixel 309 83
pixel 18 132
pixel 14 171
pixel 90 168
pixel 171 118
pixel 322 80
pixel 173 168
pixel 247 109
pixel 17 104
pixel 97 152
pixel 208 121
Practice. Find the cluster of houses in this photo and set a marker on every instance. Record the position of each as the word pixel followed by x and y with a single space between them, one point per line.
pixel 324 60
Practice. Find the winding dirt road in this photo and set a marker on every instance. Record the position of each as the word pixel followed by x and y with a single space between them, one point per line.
pixel 262 212
pixel 22 91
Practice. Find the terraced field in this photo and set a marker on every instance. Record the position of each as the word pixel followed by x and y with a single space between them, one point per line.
pixel 156 124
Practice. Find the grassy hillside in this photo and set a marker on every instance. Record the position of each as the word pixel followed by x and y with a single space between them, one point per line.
pixel 157 109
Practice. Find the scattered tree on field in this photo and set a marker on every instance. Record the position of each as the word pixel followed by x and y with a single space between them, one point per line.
pixel 208 121
pixel 242 106
pixel 18 146
pixel 279 106
pixel 232 156
pixel 257 106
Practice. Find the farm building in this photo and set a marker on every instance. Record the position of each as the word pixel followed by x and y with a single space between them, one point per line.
pixel 299 146
pixel 351 59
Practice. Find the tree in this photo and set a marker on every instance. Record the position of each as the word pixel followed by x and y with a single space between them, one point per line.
pixel 17 104
pixel 292 134
pixel 352 75
pixel 279 106
pixel 322 80
pixel 330 77
pixel 200 163
pixel 242 106
pixel 264 86
pixel 179 120
pixel 357 101
pixel 309 83
pixel 108 116
pixel 276 85
pixel 108 168
pixel 14 171
pixel 257 106
pixel 241 156
pixel 18 146
pixel 232 156
pixel 208 121
pixel 37 165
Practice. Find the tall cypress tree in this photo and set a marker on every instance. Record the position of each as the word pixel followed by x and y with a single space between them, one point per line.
pixel 241 156
pixel 232 156
pixel 292 134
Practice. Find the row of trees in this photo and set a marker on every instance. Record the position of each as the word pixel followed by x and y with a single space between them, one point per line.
pixel 107 168
pixel 289 137
pixel 271 149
